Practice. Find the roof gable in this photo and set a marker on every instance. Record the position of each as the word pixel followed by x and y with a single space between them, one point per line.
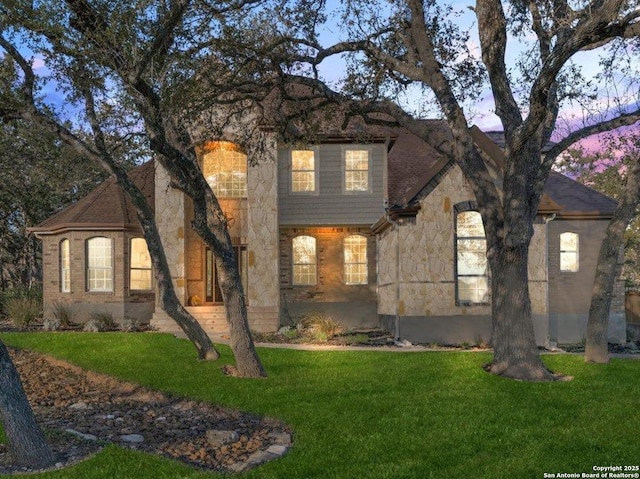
pixel 415 169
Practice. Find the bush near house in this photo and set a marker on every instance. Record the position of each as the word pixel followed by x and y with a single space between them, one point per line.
pixel 21 306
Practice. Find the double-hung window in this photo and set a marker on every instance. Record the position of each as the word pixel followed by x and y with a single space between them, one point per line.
pixel 303 171
pixel 100 264
pixel 304 261
pixel 140 274
pixel 355 260
pixel 65 266
pixel 356 170
pixel 569 246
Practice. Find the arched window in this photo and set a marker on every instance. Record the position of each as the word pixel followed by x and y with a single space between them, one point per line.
pixel 569 252
pixel 65 266
pixel 100 264
pixel 472 284
pixel 224 166
pixel 140 277
pixel 304 260
pixel 355 260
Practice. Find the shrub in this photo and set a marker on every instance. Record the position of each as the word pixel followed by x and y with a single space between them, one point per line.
pixel 63 313
pixel 6 296
pixel 130 325
pixel 23 311
pixel 100 321
pixel 51 324
pixel 319 326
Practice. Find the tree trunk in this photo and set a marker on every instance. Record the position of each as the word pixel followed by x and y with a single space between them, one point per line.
pixel 596 349
pixel 169 302
pixel 247 361
pixel 515 354
pixel 27 444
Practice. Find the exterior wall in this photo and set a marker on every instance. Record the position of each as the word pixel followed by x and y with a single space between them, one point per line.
pixel 121 303
pixel 424 299
pixel 329 205
pixel 170 220
pixel 253 223
pixel 570 293
pixel 351 305
pixel 263 295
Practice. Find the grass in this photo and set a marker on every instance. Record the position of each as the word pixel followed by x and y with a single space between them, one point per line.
pixel 368 414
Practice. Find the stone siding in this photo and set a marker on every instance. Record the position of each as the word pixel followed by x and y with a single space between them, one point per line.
pixel 426 269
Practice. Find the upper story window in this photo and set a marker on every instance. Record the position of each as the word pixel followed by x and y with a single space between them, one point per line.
pixel 355 260
pixel 472 279
pixel 569 254
pixel 224 166
pixel 303 171
pixel 304 260
pixel 100 264
pixel 140 274
pixel 65 266
pixel 356 170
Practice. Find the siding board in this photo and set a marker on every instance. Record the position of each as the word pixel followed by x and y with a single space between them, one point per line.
pixel 329 204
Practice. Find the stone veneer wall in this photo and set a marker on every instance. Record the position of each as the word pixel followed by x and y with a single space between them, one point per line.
pixel 427 284
pixel 255 223
pixel 263 297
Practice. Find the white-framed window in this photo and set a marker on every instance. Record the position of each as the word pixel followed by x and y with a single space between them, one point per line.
pixel 305 270
pixel 355 260
pixel 472 278
pixel 569 252
pixel 356 170
pixel 304 171
pixel 140 272
pixel 65 266
pixel 100 264
pixel 224 166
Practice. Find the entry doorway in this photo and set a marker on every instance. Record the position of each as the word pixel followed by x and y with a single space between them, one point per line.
pixel 212 288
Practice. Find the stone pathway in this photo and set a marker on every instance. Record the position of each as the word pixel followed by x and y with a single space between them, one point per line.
pixel 91 410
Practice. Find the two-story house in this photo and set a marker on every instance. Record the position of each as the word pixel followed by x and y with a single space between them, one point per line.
pixel 370 226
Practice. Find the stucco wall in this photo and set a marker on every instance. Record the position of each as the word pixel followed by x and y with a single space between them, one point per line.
pixel 570 293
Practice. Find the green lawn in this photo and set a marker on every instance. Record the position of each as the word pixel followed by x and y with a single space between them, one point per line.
pixel 365 414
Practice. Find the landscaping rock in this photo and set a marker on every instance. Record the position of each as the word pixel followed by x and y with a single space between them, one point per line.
pixel 94 409
pixel 220 438
pixel 132 438
pixel 51 324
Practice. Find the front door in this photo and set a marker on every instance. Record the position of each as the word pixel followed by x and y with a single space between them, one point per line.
pixel 212 288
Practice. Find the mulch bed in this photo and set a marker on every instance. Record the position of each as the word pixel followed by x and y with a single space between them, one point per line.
pixel 70 402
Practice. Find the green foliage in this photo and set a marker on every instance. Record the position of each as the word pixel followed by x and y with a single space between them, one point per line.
pixel 372 415
pixel 357 339
pixel 318 326
pixel 23 310
pixel 62 312
pixel 27 300
pixel 100 321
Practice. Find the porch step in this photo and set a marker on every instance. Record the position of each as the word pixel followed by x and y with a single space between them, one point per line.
pixel 213 322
